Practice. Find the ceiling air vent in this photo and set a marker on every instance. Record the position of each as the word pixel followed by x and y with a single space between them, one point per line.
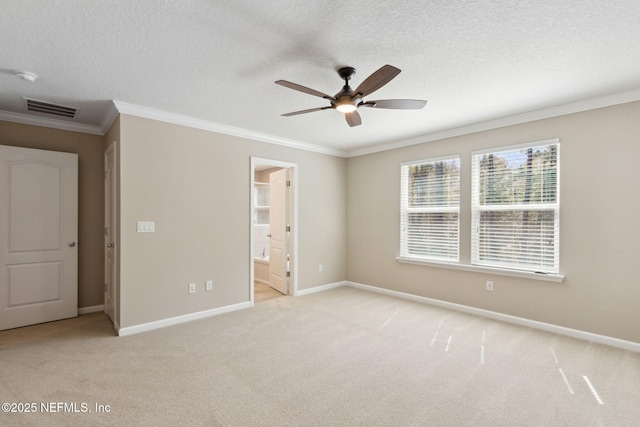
pixel 49 108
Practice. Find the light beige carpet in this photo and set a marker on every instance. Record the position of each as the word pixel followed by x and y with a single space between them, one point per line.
pixel 343 357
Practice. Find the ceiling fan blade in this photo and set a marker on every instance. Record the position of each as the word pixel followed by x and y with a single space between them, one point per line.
pixel 353 118
pixel 396 104
pixel 303 89
pixel 375 81
pixel 311 110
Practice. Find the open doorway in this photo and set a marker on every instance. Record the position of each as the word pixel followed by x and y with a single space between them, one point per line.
pixel 273 229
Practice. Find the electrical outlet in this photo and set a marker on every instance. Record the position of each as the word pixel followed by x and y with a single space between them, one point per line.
pixel 208 285
pixel 489 285
pixel 192 288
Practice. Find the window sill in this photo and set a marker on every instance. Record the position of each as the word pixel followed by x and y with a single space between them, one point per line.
pixel 549 277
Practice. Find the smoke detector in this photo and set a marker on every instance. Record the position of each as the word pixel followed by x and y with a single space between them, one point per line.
pixel 26 75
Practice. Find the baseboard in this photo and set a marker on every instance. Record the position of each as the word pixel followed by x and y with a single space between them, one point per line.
pixel 320 288
pixel 561 330
pixel 92 309
pixel 144 327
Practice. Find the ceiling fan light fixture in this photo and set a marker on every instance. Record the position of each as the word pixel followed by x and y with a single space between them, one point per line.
pixel 346 108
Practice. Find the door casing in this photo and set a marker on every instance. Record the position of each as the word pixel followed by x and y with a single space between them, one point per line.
pixel 292 208
pixel 110 235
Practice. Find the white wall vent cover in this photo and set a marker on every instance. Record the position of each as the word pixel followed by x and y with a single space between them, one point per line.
pixel 49 108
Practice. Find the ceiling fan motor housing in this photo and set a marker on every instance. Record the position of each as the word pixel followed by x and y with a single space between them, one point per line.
pixel 346 96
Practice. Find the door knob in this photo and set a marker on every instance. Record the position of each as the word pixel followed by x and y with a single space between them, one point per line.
pixel 110 245
pixel 72 244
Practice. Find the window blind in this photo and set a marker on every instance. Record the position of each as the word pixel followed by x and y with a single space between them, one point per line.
pixel 515 207
pixel 429 209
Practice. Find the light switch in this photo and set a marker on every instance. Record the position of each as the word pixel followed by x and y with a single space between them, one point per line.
pixel 146 226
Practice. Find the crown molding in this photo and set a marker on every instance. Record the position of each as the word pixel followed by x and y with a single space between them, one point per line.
pixel 545 113
pixel 110 116
pixel 164 116
pixel 49 123
pixel 117 107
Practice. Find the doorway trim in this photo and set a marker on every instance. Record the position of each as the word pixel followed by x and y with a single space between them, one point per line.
pixel 292 206
pixel 111 237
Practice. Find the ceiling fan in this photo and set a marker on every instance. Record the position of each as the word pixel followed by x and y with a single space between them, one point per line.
pixel 348 100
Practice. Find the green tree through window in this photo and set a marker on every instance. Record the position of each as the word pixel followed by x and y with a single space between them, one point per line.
pixel 430 203
pixel 515 208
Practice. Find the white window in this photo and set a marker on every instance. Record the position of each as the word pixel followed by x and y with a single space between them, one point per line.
pixel 515 207
pixel 429 209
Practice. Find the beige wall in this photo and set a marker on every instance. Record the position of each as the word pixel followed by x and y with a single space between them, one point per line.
pixel 599 239
pixel 90 196
pixel 263 176
pixel 195 185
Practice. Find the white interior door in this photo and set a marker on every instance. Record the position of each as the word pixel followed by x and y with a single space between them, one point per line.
pixel 38 234
pixel 278 230
pixel 110 233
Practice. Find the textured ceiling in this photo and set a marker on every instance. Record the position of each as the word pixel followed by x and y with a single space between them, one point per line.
pixel 216 61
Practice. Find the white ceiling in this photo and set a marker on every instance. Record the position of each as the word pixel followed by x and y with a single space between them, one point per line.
pixel 217 61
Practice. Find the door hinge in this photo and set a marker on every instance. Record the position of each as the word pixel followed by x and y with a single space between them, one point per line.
pixel 106 174
pixel 288 228
pixel 288 274
pixel 106 231
pixel 288 183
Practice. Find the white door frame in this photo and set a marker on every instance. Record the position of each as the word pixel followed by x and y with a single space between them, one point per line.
pixel 111 209
pixel 293 236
